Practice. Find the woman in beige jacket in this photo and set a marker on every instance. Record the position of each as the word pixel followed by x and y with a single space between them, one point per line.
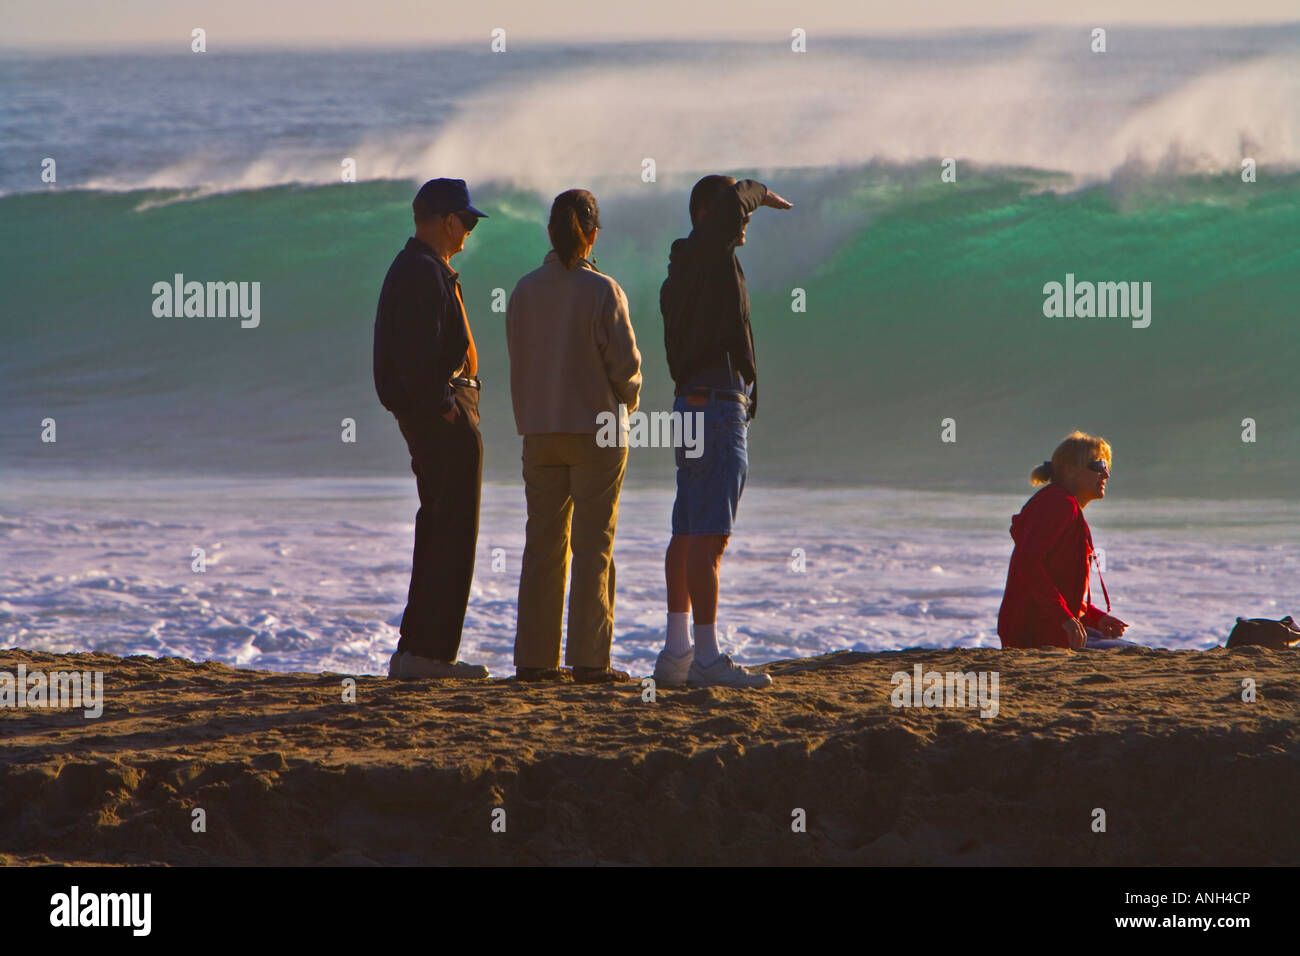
pixel 573 361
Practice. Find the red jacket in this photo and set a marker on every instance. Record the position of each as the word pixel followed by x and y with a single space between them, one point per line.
pixel 1047 582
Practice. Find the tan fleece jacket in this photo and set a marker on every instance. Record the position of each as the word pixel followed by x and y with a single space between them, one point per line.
pixel 573 353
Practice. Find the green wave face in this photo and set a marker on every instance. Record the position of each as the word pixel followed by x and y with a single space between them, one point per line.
pixel 923 302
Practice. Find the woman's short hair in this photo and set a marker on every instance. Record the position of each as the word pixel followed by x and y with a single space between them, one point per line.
pixel 574 216
pixel 1078 448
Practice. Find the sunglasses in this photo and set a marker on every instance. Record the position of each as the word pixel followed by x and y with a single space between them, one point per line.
pixel 468 220
pixel 1099 466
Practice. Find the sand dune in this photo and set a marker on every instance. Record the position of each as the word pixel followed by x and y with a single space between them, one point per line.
pixel 287 772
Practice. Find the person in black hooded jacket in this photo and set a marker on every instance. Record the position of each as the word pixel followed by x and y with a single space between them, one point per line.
pixel 710 349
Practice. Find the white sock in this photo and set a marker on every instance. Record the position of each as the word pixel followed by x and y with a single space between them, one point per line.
pixel 679 633
pixel 706 644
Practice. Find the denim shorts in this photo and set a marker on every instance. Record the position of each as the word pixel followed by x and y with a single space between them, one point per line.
pixel 709 486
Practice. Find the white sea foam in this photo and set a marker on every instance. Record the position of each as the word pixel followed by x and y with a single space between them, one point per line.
pixel 837 110
pixel 312 575
pixel 1048 104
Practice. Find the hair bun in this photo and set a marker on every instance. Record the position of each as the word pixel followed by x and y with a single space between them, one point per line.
pixel 574 216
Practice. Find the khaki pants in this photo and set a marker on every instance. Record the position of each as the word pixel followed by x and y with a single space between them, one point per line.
pixel 569 481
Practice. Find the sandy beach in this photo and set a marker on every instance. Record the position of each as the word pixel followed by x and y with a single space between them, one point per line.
pixel 287 772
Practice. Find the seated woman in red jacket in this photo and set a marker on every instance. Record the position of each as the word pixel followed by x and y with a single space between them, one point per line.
pixel 1048 597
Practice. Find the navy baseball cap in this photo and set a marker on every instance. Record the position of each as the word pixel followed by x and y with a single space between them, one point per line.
pixel 447 195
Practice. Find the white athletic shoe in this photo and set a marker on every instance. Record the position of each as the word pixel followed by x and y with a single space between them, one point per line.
pixel 672 671
pixel 415 667
pixel 395 665
pixel 724 672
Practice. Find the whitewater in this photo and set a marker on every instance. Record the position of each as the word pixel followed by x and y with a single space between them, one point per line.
pixel 311 575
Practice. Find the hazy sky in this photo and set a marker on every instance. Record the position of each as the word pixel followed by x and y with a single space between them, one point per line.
pixel 117 23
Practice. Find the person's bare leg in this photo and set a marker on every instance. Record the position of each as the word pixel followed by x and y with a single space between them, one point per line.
pixel 679 595
pixel 703 564
pixel 709 666
pixel 677 643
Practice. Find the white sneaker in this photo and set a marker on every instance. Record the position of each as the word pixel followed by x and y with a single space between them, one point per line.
pixel 724 672
pixel 415 667
pixel 671 671
pixel 395 665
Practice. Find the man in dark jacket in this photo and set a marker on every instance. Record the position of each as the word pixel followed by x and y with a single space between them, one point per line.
pixel 710 349
pixel 426 374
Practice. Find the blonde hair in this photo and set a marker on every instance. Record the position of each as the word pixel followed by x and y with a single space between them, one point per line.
pixel 1078 448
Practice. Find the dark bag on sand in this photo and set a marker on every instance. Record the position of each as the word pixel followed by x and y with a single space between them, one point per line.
pixel 1261 632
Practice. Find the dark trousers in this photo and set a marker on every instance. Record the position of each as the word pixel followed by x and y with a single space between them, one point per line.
pixel 448 463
